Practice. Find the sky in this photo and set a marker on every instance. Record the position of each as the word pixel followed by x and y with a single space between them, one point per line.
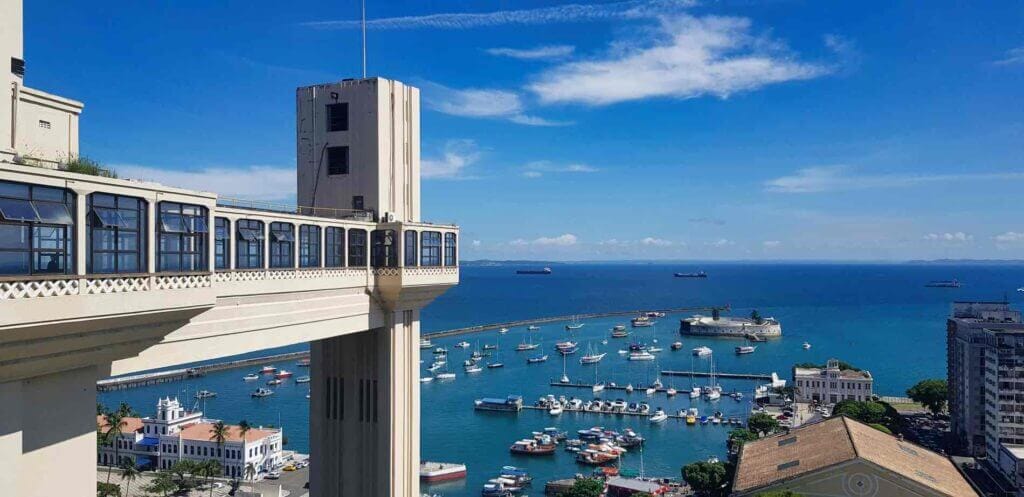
pixel 640 129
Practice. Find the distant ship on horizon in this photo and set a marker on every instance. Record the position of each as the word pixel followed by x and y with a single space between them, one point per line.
pixel 546 270
pixel 953 283
pixel 698 274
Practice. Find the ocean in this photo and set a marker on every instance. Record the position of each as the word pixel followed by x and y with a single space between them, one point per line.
pixel 879 317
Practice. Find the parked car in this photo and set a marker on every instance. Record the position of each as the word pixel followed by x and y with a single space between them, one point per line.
pixel 273 475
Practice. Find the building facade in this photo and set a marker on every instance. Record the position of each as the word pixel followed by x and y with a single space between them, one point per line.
pixel 174 434
pixel 967 345
pixel 831 384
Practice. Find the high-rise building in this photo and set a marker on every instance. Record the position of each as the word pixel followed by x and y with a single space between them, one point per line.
pixel 975 334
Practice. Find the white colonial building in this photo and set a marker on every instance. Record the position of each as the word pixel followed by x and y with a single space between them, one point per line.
pixel 175 434
pixel 831 384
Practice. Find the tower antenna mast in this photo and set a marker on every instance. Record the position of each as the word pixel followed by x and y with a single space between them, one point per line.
pixel 363 2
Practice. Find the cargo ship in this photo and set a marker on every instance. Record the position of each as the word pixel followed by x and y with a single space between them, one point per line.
pixel 698 274
pixel 546 270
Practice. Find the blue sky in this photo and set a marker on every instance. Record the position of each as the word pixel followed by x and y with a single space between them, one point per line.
pixel 660 129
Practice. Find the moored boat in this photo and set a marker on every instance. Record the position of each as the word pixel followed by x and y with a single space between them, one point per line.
pixel 535 360
pixel 441 471
pixel 268 370
pixel 532 447
pixel 806 345
pixel 251 377
pixel 275 381
pixel 425 343
pixel 302 379
pixel 745 349
pixel 512 403
pixel 262 392
pixel 284 373
pixel 303 363
pixel 642 355
pixel 641 322
pixel 702 351
pixel 698 274
pixel 532 327
pixel 677 346
pixel 205 394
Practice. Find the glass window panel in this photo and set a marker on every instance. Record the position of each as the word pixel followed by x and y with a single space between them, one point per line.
pixel 108 218
pixel 170 262
pixel 48 238
pixel 14 263
pixel 248 235
pixel 103 239
pixel 283 236
pixel 192 210
pixel 48 263
pixel 13 236
pixel 170 207
pixel 103 262
pixel 102 200
pixel 127 263
pixel 129 219
pixel 199 225
pixel 170 243
pixel 172 223
pixel 190 262
pixel 47 193
pixel 17 210
pixel 53 213
pixel 128 240
pixel 16 190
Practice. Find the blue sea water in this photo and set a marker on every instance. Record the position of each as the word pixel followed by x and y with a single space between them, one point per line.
pixel 879 317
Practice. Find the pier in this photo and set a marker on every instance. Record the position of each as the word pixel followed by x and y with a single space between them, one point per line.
pixel 733 376
pixel 555 319
pixel 144 379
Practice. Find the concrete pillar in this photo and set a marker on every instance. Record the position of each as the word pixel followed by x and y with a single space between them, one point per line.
pixel 365 412
pixel 48 435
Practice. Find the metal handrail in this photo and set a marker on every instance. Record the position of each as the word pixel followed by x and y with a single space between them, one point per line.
pixel 328 212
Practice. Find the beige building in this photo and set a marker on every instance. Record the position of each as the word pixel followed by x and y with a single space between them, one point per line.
pixel 841 457
pixel 102 276
pixel 831 384
pixel 35 126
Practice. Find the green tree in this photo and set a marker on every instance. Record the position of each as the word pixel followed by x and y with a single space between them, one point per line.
pixel 864 411
pixel 756 317
pixel 740 436
pixel 126 411
pixel 115 427
pixel 779 493
pixel 128 474
pixel 100 409
pixel 107 490
pixel 707 478
pixel 932 394
pixel 882 428
pixel 250 471
pixel 219 433
pixel 716 314
pixel 762 423
pixel 586 487
pixel 162 484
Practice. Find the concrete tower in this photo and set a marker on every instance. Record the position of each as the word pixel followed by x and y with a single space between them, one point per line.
pixel 358 144
pixel 12 59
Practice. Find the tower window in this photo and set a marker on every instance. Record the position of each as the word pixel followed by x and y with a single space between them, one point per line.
pixel 337 117
pixel 357 202
pixel 337 160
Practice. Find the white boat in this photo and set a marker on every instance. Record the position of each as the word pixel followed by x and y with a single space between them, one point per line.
pixel 598 387
pixel 642 355
pixel 702 351
pixel 473 369
pixel 745 349
pixel 503 331
pixel 556 409
pixel 532 327
pixel 629 388
pixel 671 392
pixel 426 379
pixel 695 393
pixel 714 395
pixel 302 379
pixel 462 345
pixel 808 345
pixel 576 324
pixel 659 416
pixel 275 381
pixel 205 394
pixel 623 352
pixel 425 343
pixel 641 322
pixel 591 357
pixel 651 390
pixel 262 392
pixel 435 367
pixel 654 349
pixel 251 377
pixel 657 383
pixel 445 376
pixel 527 345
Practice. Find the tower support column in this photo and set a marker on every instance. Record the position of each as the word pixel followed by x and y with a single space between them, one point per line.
pixel 48 435
pixel 365 411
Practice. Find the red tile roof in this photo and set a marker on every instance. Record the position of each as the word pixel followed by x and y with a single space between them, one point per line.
pixel 130 425
pixel 204 431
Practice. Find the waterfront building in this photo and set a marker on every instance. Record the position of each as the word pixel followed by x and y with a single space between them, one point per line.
pixel 724 326
pixel 831 384
pixel 841 456
pixel 102 276
pixel 174 435
pixel 967 344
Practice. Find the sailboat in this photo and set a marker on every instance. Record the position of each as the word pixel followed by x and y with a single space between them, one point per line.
pixel 497 362
pixel 527 345
pixel 535 360
pixel 598 385
pixel 576 324
pixel 565 376
pixel 714 392
pixel 694 390
pixel 591 357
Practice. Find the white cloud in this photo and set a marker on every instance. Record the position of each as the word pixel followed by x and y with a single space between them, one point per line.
pixel 1012 57
pixel 546 15
pixel 480 103
pixel 840 178
pixel 707 220
pixel 536 169
pixel 956 237
pixel 457 156
pixel 1009 237
pixel 476 243
pixel 771 243
pixel 267 183
pixel 561 240
pixel 684 57
pixel 536 53
pixel 656 242
pixel 721 242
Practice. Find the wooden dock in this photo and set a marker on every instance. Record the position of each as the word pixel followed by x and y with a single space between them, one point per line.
pixel 554 319
pixel 157 377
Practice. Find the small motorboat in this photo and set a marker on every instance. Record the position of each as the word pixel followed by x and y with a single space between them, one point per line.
pixel 303 363
pixel 268 370
pixel 702 351
pixel 503 331
pixel 490 346
pixel 425 343
pixel 425 379
pixel 629 388
pixel 445 376
pixel 263 392
pixel 642 355
pixel 695 393
pixel 659 416
pixel 495 365
pixel 598 387
pixel 806 345
pixel 677 345
pixel 251 377
pixel 556 409
pixel 745 349
pixel 535 360
pixel 671 392
pixel 205 394
pixel 440 351
pixel 283 374
pixel 473 369
pixel 651 391
pixel 462 345
pixel 302 379
pixel 532 328
pixel 654 349
pixel 275 382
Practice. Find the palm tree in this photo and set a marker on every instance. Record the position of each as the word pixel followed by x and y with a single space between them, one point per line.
pixel 117 423
pixel 210 468
pixel 250 471
pixel 243 428
pixel 219 433
pixel 128 474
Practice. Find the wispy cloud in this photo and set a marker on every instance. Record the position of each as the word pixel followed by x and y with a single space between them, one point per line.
pixel 840 178
pixel 480 103
pixel 537 169
pixel 683 57
pixel 707 220
pixel 1012 57
pixel 721 242
pixel 536 53
pixel 456 157
pixel 566 240
pixel 571 13
pixel 1009 237
pixel 656 242
pixel 957 237
pixel 267 183
pixel 771 244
